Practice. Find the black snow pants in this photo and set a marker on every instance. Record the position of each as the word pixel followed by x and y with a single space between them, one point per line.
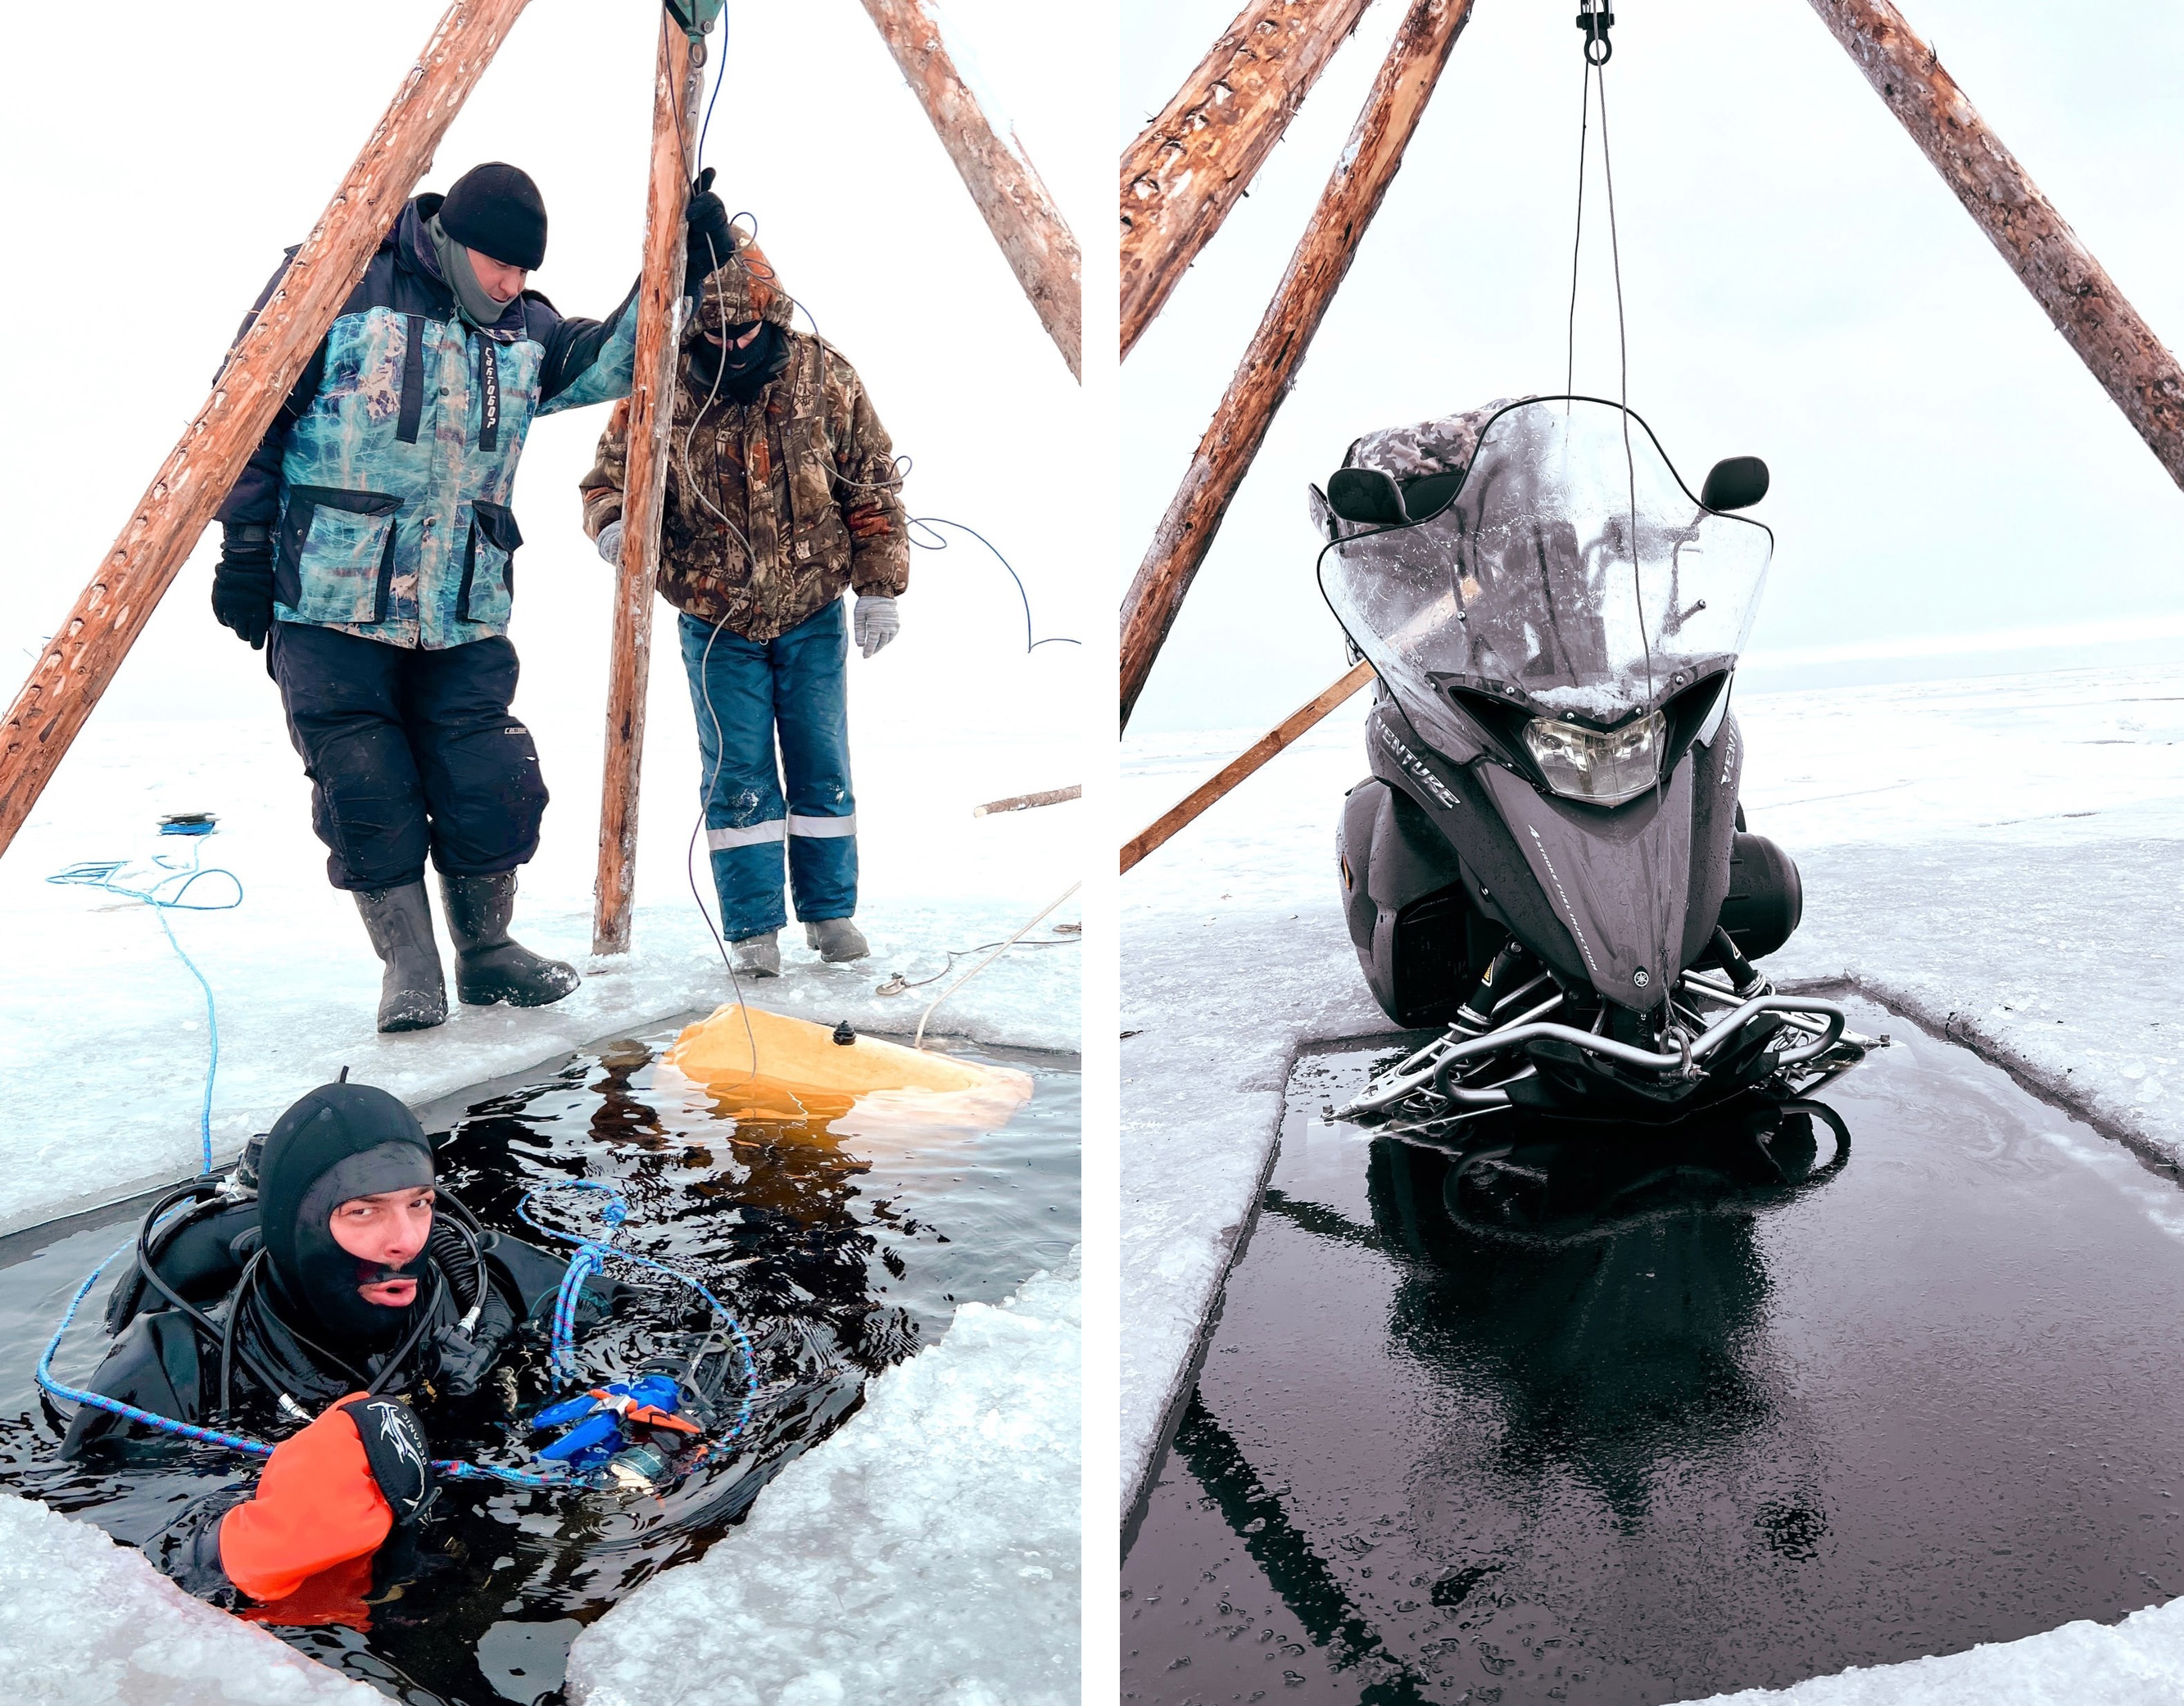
pixel 409 752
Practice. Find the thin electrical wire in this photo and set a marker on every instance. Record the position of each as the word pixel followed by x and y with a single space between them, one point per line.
pixel 720 76
pixel 918 1041
pixel 900 984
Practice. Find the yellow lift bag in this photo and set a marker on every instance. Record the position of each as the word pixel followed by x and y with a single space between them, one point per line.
pixel 800 1073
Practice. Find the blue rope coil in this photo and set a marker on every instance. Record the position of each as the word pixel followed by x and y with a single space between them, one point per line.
pixel 101 874
pixel 591 1255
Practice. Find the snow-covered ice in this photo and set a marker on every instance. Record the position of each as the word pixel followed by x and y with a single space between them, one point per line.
pixel 2138 1661
pixel 87 1622
pixel 959 1479
pixel 2001 858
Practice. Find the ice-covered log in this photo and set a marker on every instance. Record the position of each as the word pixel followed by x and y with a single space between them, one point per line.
pixel 2133 365
pixel 925 1555
pixel 1190 166
pixel 85 1620
pixel 1367 165
pixel 80 659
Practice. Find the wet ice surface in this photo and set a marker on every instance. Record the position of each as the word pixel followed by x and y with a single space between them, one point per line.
pixel 2003 855
pixel 843 1256
pixel 1740 1438
pixel 960 1478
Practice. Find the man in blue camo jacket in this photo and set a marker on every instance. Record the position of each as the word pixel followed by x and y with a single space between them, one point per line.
pixel 369 544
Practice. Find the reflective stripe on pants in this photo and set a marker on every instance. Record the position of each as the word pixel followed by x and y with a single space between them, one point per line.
pixel 791 692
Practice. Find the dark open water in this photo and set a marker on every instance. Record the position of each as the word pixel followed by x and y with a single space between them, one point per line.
pixel 1630 1419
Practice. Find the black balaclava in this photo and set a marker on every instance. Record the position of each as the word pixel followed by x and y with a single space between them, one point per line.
pixel 339 1141
pixel 741 374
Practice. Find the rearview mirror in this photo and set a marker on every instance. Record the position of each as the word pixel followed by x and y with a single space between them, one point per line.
pixel 1366 496
pixel 1737 482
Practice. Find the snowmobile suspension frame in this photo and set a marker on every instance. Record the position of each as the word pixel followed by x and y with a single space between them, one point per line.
pixel 1440 1062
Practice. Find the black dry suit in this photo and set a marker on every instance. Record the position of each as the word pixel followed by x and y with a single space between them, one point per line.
pixel 249 1317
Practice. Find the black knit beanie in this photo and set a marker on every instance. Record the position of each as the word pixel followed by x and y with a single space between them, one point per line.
pixel 496 209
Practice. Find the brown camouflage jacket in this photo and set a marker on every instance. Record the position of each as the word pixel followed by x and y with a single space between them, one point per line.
pixel 773 507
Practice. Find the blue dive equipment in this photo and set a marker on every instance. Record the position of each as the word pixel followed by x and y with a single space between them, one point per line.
pixel 606 1417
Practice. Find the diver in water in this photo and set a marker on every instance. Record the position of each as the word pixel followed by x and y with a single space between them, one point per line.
pixel 339 1297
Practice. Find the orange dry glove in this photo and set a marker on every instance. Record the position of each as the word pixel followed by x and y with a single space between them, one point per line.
pixel 328 1494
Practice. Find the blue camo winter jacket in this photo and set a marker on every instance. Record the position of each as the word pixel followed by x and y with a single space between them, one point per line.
pixel 386 476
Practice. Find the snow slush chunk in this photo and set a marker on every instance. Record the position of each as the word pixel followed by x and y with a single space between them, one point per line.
pixel 2138 1661
pixel 90 1623
pixel 925 1555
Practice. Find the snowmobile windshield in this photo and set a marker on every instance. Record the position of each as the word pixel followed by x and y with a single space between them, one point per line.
pixel 1567 576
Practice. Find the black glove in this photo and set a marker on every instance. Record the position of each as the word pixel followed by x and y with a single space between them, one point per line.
pixel 395 1450
pixel 243 584
pixel 712 240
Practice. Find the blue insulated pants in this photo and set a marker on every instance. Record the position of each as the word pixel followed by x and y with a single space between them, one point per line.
pixel 794 690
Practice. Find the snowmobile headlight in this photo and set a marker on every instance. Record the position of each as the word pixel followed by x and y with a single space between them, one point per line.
pixel 1600 769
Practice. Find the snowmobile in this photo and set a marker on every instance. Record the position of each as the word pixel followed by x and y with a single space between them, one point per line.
pixel 1548 860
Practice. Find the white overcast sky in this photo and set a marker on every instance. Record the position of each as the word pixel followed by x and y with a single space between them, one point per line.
pixel 154 188
pixel 1799 284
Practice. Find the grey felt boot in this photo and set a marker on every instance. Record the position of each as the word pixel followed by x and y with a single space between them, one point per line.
pixel 490 966
pixel 413 995
pixel 836 939
pixel 758 956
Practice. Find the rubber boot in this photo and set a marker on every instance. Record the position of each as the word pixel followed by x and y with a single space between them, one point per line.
pixel 836 939
pixel 758 956
pixel 490 966
pixel 413 996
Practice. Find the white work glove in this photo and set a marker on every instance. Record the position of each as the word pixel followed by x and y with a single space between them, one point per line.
pixel 874 623
pixel 610 543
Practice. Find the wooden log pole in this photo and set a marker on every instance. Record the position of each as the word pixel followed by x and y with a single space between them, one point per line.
pixel 2131 363
pixel 1040 248
pixel 1193 163
pixel 80 662
pixel 677 76
pixel 1024 802
pixel 1253 758
pixel 1353 195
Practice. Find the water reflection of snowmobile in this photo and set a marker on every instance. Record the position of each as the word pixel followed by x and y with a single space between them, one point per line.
pixel 1609 1289
pixel 1548 857
pixel 1560 1182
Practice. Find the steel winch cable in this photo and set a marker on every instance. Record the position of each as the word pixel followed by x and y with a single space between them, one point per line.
pixel 1594 19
